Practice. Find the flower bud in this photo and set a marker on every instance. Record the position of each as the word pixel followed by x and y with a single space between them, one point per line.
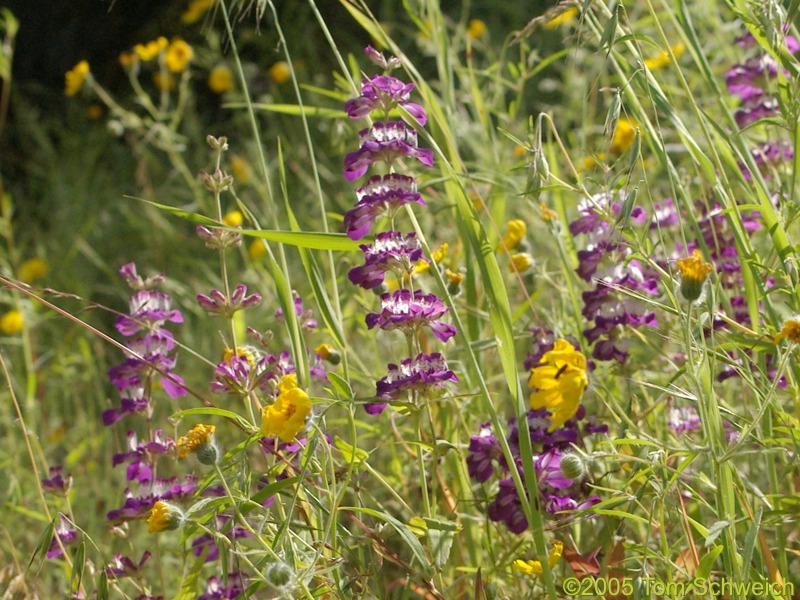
pixel 573 466
pixel 694 272
pixel 280 576
pixel 219 144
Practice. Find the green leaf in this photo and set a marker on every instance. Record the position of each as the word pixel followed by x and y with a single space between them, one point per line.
pixel 272 489
pixel 44 541
pixel 707 562
pixel 408 537
pixel 714 531
pixel 78 565
pixel 441 534
pixel 218 412
pixel 301 239
pixel 188 590
pixel 354 456
pixel 341 385
pixel 294 110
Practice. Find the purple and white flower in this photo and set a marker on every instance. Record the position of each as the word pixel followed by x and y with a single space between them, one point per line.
pixel 384 142
pixel 391 251
pixel 383 92
pixel 409 311
pixel 381 196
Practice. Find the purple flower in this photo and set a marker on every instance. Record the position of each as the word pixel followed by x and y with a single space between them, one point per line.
pixel 140 504
pixel 56 484
pixel 135 281
pixel 748 80
pixel 755 110
pixel 403 310
pixel 215 590
pixel 384 142
pixel 205 543
pixel 133 402
pixel 484 452
pixel 507 508
pixel 380 196
pixel 149 310
pixel 555 504
pixel 383 92
pixel 420 374
pixel 380 60
pixel 665 214
pixel 141 456
pixel 548 471
pixel 306 317
pixel 389 252
pixel 65 532
pixel 216 303
pixel 154 348
pixel 241 374
pixel 122 566
pixel 217 238
pixel 684 418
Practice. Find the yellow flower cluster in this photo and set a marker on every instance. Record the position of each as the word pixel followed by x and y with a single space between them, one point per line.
pixel 790 331
pixel 662 59
pixel 287 416
pixel 280 72
pixel 624 135
pixel 694 272
pixel 560 381
pixel 220 79
pixel 150 50
pixel 516 231
pixel 534 567
pixel 12 322
pixel 75 78
pixel 199 436
pixel 164 516
pixel 437 257
pixel 476 29
pixel 195 11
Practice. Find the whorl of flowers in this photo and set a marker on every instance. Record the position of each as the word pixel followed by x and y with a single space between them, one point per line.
pixel 605 262
pixel 388 143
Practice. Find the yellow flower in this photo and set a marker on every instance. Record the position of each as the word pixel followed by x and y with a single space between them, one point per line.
pixel 565 18
pixel 233 219
pixel 240 169
pixel 164 516
pixel 195 10
pixel 179 53
pixel 220 79
pixel 790 331
pixel 242 351
pixel 324 350
pixel 150 50
pixel 128 59
pixel 528 567
pixel 534 567
pixel 521 262
pixel 257 250
pixel 437 256
pixel 94 111
pixel 624 135
pixel 329 353
pixel 476 29
pixel 287 416
pixel 454 277
pixel 32 269
pixel 662 59
pixel 548 214
pixel 555 553
pixel 694 272
pixel 279 72
pixel 516 231
pixel 163 81
pixel 12 322
pixel 200 435
pixel 560 381
pixel 75 78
